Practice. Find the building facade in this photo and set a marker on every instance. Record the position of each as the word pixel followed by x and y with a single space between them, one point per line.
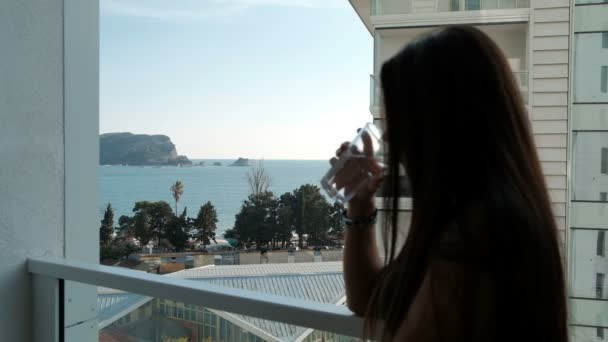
pixel 589 171
pixel 558 51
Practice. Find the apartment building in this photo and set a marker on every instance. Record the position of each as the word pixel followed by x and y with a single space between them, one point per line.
pixel 558 50
pixel 589 170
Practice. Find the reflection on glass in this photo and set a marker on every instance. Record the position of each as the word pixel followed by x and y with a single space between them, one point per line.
pixel 170 321
pixel 590 67
pixel 134 317
pixel 590 166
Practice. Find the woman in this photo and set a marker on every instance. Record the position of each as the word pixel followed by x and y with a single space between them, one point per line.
pixel 481 261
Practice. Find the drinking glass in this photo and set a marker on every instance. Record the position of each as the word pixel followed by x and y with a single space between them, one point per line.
pixel 366 144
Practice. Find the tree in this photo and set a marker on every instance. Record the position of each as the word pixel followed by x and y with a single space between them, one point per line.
pixel 157 215
pixel 111 247
pixel 177 190
pixel 141 228
pixel 125 226
pixel 310 213
pixel 178 231
pixel 255 222
pixel 285 218
pixel 258 179
pixel 106 231
pixel 205 224
pixel 119 248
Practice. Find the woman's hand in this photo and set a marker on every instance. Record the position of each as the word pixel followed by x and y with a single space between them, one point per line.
pixel 363 167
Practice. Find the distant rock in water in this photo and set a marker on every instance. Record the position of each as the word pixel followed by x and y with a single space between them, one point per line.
pixel 138 149
pixel 217 164
pixel 241 162
pixel 202 163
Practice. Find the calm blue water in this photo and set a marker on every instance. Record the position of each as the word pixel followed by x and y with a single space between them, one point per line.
pixel 226 187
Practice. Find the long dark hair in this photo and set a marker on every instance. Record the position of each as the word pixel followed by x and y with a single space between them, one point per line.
pixel 456 121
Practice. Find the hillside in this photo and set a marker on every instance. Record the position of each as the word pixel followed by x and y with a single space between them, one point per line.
pixel 138 149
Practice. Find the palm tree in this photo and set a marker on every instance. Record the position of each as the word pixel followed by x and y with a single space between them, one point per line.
pixel 177 190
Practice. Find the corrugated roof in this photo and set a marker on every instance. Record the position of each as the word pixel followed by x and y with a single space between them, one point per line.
pixel 322 282
pixel 112 306
pixel 259 269
pixel 321 287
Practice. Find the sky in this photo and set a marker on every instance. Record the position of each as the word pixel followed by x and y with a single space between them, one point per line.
pixel 260 79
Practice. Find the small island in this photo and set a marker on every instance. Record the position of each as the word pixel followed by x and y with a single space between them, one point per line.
pixel 139 150
pixel 241 162
pixel 217 164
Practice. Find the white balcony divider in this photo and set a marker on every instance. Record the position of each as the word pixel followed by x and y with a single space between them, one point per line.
pixel 320 316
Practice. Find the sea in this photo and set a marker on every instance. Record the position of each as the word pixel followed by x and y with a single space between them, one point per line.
pixel 225 186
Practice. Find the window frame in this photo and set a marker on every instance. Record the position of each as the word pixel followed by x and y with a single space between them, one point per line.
pixel 600 248
pixel 604 160
pixel 599 285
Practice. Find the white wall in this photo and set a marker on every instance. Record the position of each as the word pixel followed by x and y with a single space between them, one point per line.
pixel 31 151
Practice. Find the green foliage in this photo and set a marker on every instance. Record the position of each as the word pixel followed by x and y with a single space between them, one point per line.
pixel 106 230
pixel 119 248
pixel 141 227
pixel 308 213
pixel 156 214
pixel 177 231
pixel 268 221
pixel 263 220
pixel 125 226
pixel 256 221
pixel 205 224
pixel 111 247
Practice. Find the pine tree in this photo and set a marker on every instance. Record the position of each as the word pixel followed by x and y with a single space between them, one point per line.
pixel 106 231
pixel 205 224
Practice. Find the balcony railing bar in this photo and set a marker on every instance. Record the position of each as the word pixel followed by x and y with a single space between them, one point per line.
pixel 327 317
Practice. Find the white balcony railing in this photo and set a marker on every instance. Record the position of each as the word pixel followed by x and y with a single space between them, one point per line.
pixel 47 273
pixel 395 7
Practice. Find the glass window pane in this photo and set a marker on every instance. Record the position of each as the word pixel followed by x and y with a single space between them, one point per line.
pixel 132 317
pixel 588 266
pixel 589 312
pixel 587 333
pixel 590 67
pixel 590 1
pixel 590 166
pixel 473 5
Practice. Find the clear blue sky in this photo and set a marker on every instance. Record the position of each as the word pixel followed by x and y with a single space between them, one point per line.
pixel 273 79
